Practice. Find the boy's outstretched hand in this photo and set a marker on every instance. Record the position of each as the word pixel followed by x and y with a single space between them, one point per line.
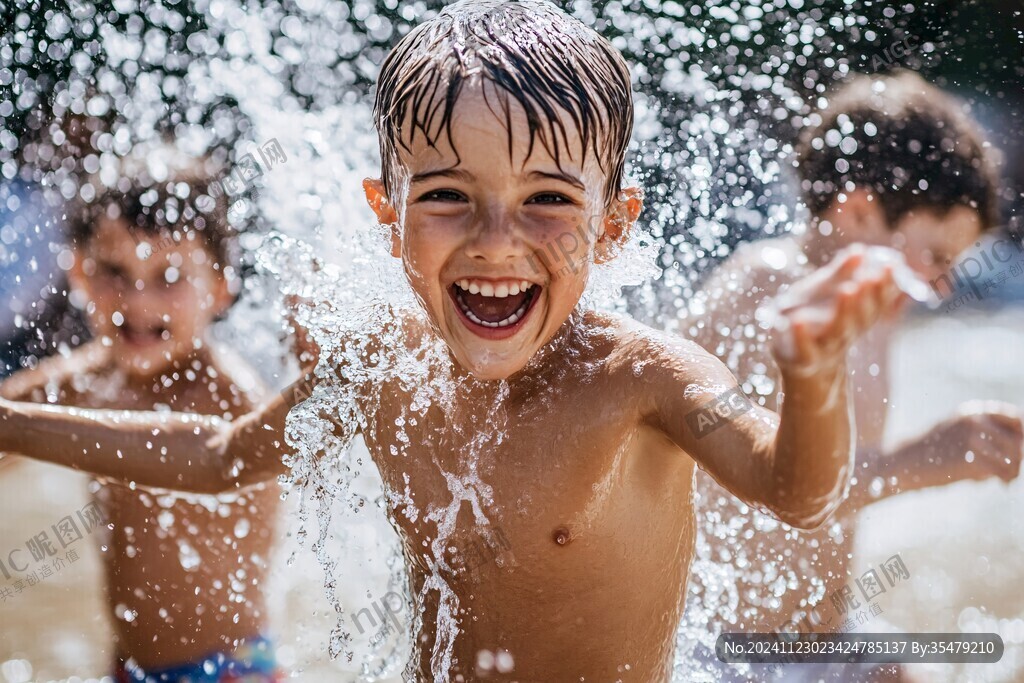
pixel 819 317
pixel 6 424
pixel 991 431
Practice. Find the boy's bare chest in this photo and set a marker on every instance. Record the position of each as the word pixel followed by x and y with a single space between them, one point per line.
pixel 491 487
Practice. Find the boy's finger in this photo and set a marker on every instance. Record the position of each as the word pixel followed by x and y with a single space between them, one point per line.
pixel 803 344
pixel 1008 468
pixel 848 265
pixel 896 303
pixel 846 313
pixel 891 300
pixel 1009 422
pixel 871 305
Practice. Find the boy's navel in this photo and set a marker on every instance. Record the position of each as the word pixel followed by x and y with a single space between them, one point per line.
pixel 562 536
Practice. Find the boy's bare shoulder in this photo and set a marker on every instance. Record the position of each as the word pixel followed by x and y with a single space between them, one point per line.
pixel 641 353
pixel 729 297
pixel 54 374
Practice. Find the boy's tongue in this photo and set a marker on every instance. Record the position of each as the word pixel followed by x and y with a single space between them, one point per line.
pixel 492 309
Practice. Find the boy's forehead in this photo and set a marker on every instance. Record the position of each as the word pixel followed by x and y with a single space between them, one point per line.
pixel 490 130
pixel 115 238
pixel 957 224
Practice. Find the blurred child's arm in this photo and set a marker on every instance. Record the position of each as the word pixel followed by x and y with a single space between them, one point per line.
pixel 990 431
pixel 796 464
pixel 186 452
pixel 45 379
pixel 7 392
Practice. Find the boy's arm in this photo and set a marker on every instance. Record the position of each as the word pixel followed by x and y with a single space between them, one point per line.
pixel 186 452
pixel 46 378
pixel 796 464
pixel 991 432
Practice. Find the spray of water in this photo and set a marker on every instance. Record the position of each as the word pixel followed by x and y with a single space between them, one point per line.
pixel 714 100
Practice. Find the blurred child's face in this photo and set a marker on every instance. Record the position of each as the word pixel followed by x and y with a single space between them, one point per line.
pixel 149 297
pixel 932 241
pixel 498 249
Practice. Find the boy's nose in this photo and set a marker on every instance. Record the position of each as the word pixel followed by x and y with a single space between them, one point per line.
pixel 135 299
pixel 495 239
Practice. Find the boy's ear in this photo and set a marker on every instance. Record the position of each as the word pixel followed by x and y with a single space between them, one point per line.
pixel 377 198
pixel 76 273
pixel 618 222
pixel 225 291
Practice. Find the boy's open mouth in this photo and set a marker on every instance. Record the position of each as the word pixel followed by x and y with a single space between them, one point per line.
pixel 501 305
pixel 142 335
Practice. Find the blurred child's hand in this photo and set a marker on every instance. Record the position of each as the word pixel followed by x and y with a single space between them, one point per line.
pixel 6 426
pixel 991 431
pixel 819 317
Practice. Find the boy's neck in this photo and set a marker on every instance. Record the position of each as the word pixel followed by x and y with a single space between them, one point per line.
pixel 178 370
pixel 550 359
pixel 547 359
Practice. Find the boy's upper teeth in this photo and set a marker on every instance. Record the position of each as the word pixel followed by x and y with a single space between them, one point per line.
pixel 499 290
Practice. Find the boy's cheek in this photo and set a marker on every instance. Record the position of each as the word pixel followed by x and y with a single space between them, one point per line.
pixel 428 236
pixel 567 256
pixel 424 254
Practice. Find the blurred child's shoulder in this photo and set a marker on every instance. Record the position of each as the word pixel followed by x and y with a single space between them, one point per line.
pixel 755 271
pixel 781 256
pixel 53 375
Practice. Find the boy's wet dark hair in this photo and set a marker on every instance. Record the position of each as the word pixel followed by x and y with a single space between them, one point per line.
pixel 185 202
pixel 908 142
pixel 548 62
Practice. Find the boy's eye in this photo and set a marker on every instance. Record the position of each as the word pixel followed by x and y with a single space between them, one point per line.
pixel 443 196
pixel 549 198
pixel 110 271
pixel 172 277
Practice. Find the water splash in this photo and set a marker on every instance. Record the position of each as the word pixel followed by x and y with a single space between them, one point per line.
pixel 717 95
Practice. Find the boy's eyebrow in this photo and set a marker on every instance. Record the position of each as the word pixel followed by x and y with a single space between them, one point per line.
pixel 457 174
pixel 466 176
pixel 565 177
pixel 103 261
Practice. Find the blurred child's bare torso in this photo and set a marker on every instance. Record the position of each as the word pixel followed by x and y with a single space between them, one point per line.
pixel 185 574
pixel 783 566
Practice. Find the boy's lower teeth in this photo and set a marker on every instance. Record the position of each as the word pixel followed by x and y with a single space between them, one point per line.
pixel 512 319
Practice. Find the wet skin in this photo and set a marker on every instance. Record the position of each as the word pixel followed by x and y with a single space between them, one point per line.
pixel 180 614
pixel 596 511
pixel 768 601
pixel 591 480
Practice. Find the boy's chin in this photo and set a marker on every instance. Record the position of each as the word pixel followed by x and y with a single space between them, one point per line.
pixel 149 363
pixel 487 365
pixel 144 368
